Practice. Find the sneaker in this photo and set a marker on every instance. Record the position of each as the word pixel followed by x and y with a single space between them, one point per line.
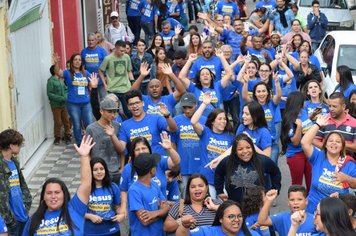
pixel 57 141
pixel 68 140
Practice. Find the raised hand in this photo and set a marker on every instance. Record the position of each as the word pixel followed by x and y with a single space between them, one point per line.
pixel 298 217
pixel 144 70
pixel 203 16
pixel 109 130
pixel 85 146
pixel 55 58
pixel 163 109
pixel 177 30
pixel 93 80
pixel 275 77
pixel 322 120
pixel 207 98
pixel 167 69
pixel 271 195
pixel 218 52
pixel 165 141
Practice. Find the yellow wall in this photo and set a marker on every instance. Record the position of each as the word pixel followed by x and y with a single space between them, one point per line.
pixel 6 79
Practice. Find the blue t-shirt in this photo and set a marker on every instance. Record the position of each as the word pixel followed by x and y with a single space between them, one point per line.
pixel 152 107
pixel 167 38
pixel 188 144
pixel 141 197
pixel 149 127
pixel 308 110
pixel 258 54
pixel 214 231
pixel 173 22
pixel 323 181
pixel 181 8
pixel 250 85
pixel 3 228
pixel 261 137
pixel 77 87
pixel 227 8
pixel 215 93
pixel 92 59
pixel 160 179
pixel 132 8
pixel 212 146
pixel 148 11
pixel 269 5
pixel 15 199
pixel 48 226
pixel 281 223
pixel 102 202
pixel 214 64
pixel 251 220
pixel 351 87
pixel 173 193
pixel 287 88
pixel 273 116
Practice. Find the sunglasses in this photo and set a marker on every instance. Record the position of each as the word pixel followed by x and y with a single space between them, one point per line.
pixel 114 17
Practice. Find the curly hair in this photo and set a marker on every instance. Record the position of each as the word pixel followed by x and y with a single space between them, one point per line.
pixel 252 201
pixel 10 136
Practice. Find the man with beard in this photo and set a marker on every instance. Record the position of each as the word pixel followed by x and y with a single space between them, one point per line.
pixel 154 98
pixel 339 120
pixel 235 38
pixel 207 60
pixel 281 18
pixel 262 54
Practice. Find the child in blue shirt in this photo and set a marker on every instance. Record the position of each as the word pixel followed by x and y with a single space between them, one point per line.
pixel 281 222
pixel 147 204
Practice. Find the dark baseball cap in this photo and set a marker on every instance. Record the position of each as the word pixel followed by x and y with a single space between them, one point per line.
pixel 188 99
pixel 108 104
pixel 145 162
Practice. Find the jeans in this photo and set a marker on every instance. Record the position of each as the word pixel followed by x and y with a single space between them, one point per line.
pixel 16 229
pixel 193 8
pixel 135 26
pixel 79 113
pixel 149 29
pixel 275 144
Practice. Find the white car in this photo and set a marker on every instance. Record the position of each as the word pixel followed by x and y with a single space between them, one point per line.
pixel 336 49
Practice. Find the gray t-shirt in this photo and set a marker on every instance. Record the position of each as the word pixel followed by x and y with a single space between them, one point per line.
pixel 104 147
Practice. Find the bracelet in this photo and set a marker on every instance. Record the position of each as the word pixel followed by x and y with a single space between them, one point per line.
pixel 318 125
pixel 167 116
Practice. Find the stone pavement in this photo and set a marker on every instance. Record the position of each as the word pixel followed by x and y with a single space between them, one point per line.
pixel 60 162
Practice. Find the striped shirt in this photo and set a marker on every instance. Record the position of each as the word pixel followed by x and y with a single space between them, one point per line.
pixel 204 217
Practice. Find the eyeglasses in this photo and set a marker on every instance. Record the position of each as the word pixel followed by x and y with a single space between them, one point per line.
pixel 134 104
pixel 316 213
pixel 114 17
pixel 234 217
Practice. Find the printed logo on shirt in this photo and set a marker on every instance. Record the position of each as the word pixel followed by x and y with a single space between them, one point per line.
pixel 120 68
pixel 14 178
pixel 268 114
pixel 153 110
pixel 154 201
pixel 216 147
pixel 48 227
pixel 327 181
pixel 187 132
pixel 92 58
pixel 102 205
pixel 214 98
pixel 134 5
pixel 143 131
pixel 155 179
pixel 80 81
pixel 227 9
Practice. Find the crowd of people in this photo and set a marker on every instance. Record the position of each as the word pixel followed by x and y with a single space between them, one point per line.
pixel 180 132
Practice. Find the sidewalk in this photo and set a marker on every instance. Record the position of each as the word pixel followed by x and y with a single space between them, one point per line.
pixel 60 162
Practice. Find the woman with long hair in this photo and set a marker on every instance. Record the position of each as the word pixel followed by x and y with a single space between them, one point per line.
pixel 256 127
pixel 79 82
pixel 161 59
pixel 157 41
pixel 331 218
pixel 140 145
pixel 291 135
pixel 195 44
pixel 204 82
pixel 229 220
pixel 345 82
pixel 332 170
pixel 102 217
pixel 296 41
pixel 215 137
pixel 244 168
pixel 197 203
pixel 262 93
pixel 314 105
pixel 296 28
pixel 57 212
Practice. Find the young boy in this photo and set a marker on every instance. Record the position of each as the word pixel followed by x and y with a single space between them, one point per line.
pixel 281 222
pixel 57 95
pixel 147 205
pixel 15 196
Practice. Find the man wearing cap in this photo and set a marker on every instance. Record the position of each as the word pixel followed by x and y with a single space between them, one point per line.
pixel 186 139
pixel 147 204
pixel 104 133
pixel 155 89
pixel 117 30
